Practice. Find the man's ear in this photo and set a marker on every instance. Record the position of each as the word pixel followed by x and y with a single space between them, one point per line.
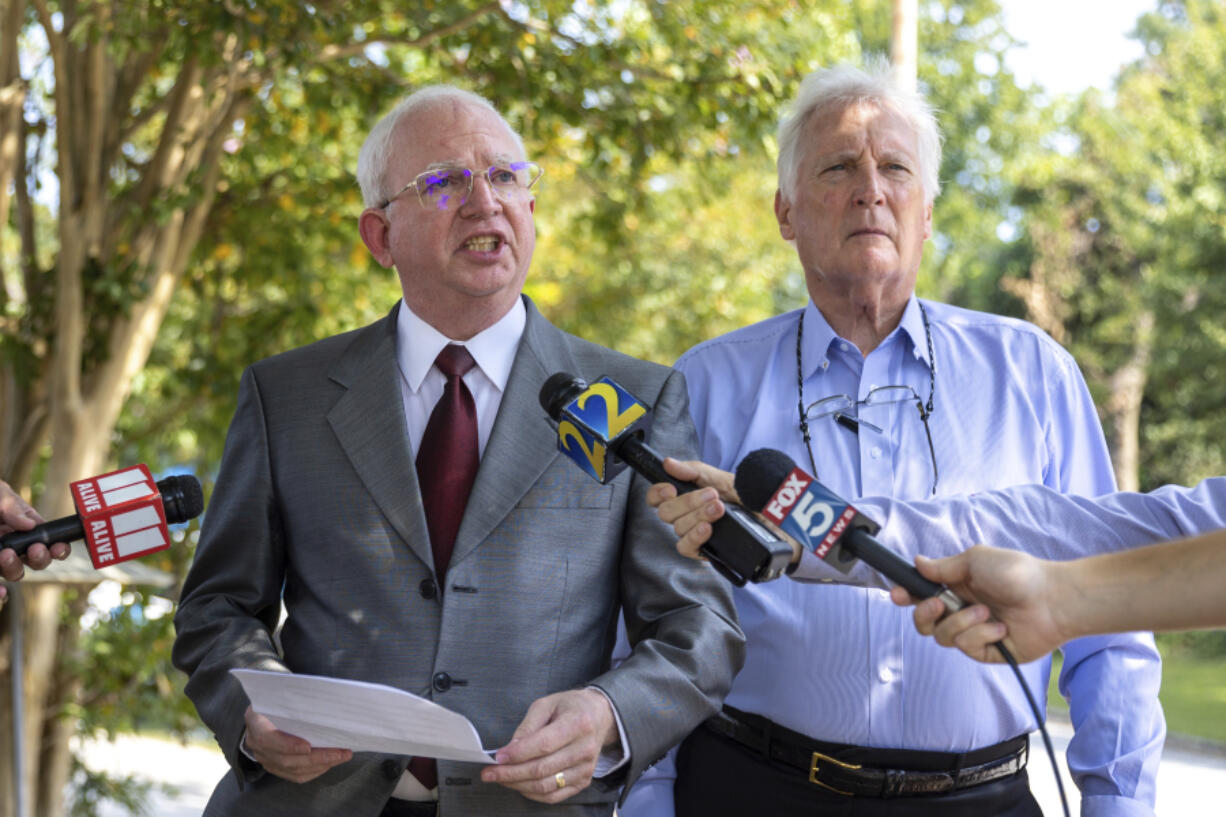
pixel 783 214
pixel 373 227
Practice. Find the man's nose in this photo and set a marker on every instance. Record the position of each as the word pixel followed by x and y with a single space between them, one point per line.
pixel 869 190
pixel 483 198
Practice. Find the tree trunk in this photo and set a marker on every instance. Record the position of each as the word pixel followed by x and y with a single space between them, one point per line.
pixel 1123 406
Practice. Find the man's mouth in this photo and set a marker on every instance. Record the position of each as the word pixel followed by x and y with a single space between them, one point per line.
pixel 482 243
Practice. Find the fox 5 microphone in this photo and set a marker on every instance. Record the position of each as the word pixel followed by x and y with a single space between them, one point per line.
pixel 601 428
pixel 121 515
pixel 822 522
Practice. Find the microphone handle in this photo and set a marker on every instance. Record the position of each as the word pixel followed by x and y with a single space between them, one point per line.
pixel 643 459
pixel 861 544
pixel 65 529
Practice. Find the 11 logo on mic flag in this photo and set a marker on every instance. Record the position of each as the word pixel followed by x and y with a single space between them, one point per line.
pixel 122 515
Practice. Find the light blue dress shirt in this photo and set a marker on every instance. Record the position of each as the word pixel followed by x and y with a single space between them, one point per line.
pixel 844 664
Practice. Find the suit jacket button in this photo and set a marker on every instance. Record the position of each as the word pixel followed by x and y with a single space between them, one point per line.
pixel 442 682
pixel 428 588
pixel 391 769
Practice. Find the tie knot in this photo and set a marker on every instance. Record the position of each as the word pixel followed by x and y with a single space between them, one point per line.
pixel 454 360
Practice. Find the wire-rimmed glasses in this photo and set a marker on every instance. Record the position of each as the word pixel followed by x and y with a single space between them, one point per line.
pixel 846 411
pixel 446 188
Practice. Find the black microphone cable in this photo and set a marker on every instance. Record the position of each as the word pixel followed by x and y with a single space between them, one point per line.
pixel 1038 718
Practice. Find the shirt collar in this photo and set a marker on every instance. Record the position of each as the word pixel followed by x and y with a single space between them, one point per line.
pixel 913 324
pixel 819 335
pixel 418 344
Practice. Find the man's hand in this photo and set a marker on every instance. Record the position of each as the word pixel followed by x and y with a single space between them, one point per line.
pixel 15 514
pixel 1013 591
pixel 691 514
pixel 286 756
pixel 553 753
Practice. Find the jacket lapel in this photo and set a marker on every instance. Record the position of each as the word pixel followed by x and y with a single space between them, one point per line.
pixel 369 423
pixel 522 443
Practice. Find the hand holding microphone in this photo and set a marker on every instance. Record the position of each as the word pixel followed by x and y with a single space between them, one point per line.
pixel 16 515
pixel 121 515
pixel 692 513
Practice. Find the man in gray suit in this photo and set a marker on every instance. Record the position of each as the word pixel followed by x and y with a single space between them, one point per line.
pixel 319 506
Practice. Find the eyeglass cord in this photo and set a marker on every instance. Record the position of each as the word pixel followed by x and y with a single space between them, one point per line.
pixel 925 413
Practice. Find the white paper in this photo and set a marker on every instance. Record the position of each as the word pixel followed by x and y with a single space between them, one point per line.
pixel 364 717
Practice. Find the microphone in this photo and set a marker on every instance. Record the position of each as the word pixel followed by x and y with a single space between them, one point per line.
pixel 822 522
pixel 121 515
pixel 601 428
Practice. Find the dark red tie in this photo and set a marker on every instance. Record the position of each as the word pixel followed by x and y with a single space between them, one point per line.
pixel 447 461
pixel 446 467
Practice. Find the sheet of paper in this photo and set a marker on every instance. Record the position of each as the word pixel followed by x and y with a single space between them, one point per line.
pixel 364 717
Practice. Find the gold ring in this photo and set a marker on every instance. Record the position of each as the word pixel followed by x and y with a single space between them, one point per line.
pixel 560 779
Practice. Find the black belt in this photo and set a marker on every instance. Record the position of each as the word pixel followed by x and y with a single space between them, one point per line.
pixel 410 808
pixel 850 770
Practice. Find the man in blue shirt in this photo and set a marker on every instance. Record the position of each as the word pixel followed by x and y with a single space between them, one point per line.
pixel 842 708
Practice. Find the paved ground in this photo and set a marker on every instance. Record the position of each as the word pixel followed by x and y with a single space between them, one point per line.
pixel 1190 779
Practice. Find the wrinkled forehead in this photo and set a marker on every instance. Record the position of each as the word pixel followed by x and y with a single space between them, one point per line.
pixel 854 125
pixel 446 132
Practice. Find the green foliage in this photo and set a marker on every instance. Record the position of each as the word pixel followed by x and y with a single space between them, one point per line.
pixel 132 684
pixel 93 789
pixel 1129 224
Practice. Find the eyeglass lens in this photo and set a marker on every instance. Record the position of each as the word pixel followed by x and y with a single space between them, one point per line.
pixel 448 188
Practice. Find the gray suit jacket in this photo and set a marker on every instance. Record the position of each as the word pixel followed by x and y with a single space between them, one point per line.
pixel 317 504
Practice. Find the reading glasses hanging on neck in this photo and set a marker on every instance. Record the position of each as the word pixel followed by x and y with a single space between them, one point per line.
pixel 447 188
pixel 847 412
pixel 846 409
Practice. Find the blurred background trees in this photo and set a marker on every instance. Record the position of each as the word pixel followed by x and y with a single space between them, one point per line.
pixel 179 202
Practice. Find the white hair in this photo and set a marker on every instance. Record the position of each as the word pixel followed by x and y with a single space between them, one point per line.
pixel 844 85
pixel 373 157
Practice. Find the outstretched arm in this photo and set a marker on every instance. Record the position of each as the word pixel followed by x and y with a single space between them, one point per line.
pixel 1042 604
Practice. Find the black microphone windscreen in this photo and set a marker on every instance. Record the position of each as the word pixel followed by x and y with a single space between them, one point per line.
pixel 558 390
pixel 759 476
pixel 183 498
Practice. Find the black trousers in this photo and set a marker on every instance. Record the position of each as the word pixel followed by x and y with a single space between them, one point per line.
pixel 718 777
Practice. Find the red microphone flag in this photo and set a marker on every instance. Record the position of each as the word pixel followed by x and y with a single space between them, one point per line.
pixel 122 515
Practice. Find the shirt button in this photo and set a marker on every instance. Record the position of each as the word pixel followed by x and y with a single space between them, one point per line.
pixel 876 452
pixel 441 682
pixel 825 365
pixel 885 675
pixel 428 589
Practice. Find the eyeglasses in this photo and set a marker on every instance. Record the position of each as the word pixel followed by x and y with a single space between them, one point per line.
pixel 846 412
pixel 446 188
pixel 846 409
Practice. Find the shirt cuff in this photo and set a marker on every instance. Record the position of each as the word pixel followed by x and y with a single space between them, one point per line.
pixel 612 758
pixel 1114 806
pixel 242 747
